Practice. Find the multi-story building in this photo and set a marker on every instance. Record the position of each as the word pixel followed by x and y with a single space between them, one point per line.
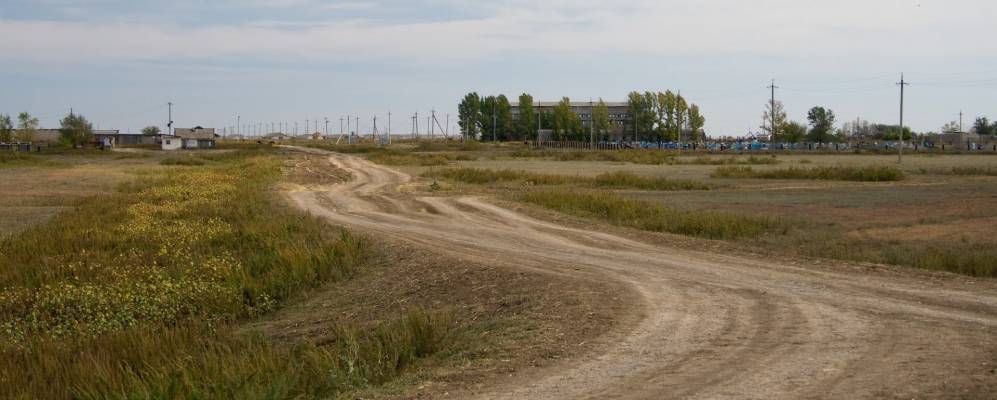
pixel 619 113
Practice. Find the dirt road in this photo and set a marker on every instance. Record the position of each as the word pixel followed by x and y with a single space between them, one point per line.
pixel 713 326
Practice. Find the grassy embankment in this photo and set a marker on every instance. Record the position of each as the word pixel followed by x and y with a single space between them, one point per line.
pixel 609 180
pixel 869 173
pixel 138 294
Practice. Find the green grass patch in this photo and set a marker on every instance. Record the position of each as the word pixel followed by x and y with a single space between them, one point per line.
pixel 138 294
pixel 185 161
pixel 391 157
pixel 974 171
pixel 609 180
pixel 870 173
pixel 623 211
pixel 22 160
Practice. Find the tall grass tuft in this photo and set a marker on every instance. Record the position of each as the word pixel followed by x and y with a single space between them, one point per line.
pixel 609 180
pixel 200 361
pixel 871 173
pixel 622 211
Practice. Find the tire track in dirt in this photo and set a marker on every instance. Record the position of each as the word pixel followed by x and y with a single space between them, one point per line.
pixel 714 326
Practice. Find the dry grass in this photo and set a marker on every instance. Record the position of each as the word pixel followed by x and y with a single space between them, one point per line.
pixel 872 173
pixel 609 180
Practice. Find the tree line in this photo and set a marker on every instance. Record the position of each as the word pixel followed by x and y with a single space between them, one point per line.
pixel 74 129
pixel 820 127
pixel 653 116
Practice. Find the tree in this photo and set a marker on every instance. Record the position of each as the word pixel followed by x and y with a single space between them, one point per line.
pixel 791 132
pixel 950 127
pixel 487 118
pixel 696 122
pixel 75 130
pixel 600 118
pixel 982 126
pixel 503 111
pixel 567 124
pixel 27 128
pixel 681 111
pixel 469 115
pixel 6 129
pixel 822 125
pixel 527 118
pixel 665 107
pixel 150 130
pixel 642 114
pixel 773 109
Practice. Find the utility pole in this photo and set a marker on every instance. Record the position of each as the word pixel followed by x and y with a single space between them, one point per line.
pixel 389 127
pixel 960 122
pixel 238 124
pixel 349 139
pixel 169 124
pixel 900 151
pixel 591 125
pixel 772 109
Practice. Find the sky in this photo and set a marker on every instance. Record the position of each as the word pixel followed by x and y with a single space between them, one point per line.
pixel 119 62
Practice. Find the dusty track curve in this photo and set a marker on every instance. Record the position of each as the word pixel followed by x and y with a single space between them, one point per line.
pixel 712 326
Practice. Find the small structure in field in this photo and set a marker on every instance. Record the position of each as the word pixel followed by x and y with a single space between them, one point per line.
pixel 190 138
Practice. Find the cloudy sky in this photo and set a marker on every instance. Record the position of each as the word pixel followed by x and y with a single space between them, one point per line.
pixel 120 61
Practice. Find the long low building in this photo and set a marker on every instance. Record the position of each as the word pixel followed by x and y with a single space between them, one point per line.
pixel 619 112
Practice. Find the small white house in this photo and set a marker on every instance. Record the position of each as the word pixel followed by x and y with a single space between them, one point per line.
pixel 172 143
pixel 193 138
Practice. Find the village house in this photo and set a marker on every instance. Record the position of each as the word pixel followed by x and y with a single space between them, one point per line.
pixel 190 138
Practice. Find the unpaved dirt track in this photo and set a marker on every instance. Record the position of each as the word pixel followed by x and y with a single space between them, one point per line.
pixel 712 326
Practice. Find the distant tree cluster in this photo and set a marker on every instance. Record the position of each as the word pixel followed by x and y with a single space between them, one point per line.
pixel 983 126
pixel 654 116
pixel 663 116
pixel 26 129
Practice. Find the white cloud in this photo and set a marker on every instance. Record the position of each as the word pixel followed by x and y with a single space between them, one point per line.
pixel 770 27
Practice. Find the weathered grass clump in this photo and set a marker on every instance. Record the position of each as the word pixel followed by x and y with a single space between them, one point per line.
pixel 646 157
pixel 200 361
pixel 392 157
pixel 609 180
pixel 184 161
pixel 871 173
pixel 974 171
pixel 622 211
pixel 751 160
pixel 20 160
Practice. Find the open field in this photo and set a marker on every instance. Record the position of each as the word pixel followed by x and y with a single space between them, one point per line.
pixel 939 216
pixel 183 275
pixel 716 318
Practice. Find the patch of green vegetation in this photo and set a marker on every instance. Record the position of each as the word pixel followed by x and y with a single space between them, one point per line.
pixel 622 211
pixel 974 171
pixel 186 161
pixel 21 160
pixel 137 294
pixel 869 173
pixel 391 157
pixel 751 160
pixel 609 180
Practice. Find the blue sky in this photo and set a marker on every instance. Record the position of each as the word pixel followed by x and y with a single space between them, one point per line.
pixel 120 62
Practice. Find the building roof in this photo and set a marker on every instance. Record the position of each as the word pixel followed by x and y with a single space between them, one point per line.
pixel 198 133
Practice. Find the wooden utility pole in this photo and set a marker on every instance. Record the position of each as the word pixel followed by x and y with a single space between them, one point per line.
pixel 900 148
pixel 772 110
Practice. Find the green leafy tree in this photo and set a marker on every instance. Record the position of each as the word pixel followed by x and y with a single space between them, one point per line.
pixel 681 113
pixel 982 126
pixel 791 132
pixel 527 127
pixel 567 123
pixel 503 110
pixel 696 122
pixel 774 118
pixel 642 114
pixel 664 107
pixel 821 125
pixel 488 119
pixel 469 115
pixel 150 130
pixel 75 130
pixel 27 128
pixel 600 119
pixel 6 128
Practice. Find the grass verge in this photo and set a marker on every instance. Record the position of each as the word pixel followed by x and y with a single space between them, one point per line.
pixel 622 211
pixel 609 180
pixel 136 295
pixel 871 173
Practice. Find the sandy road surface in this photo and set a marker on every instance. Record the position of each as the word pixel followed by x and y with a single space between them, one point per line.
pixel 712 326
